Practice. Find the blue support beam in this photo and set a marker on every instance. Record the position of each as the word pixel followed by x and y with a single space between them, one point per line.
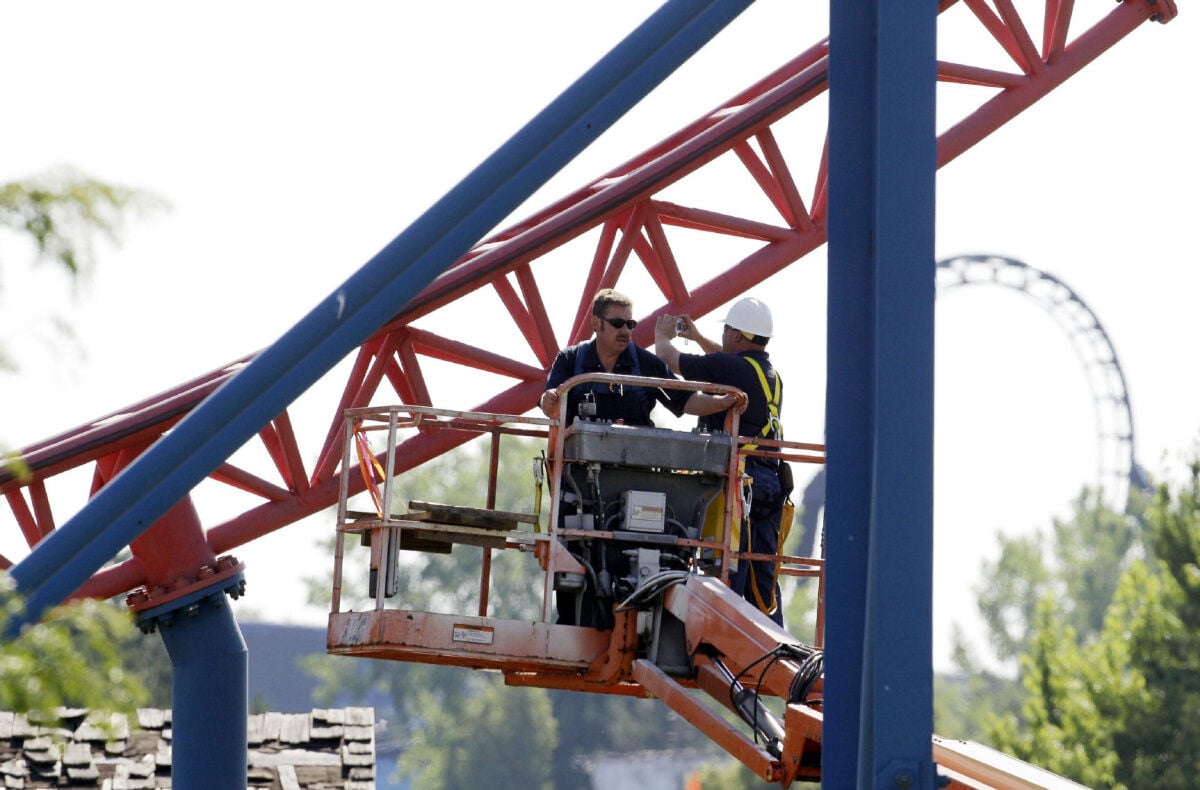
pixel 879 401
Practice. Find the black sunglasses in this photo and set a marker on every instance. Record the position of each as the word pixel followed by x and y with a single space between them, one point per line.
pixel 618 323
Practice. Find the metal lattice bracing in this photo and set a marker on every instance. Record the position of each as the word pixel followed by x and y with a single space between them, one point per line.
pixel 636 221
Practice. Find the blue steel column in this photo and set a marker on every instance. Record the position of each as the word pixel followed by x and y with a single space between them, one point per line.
pixel 879 402
pixel 209 697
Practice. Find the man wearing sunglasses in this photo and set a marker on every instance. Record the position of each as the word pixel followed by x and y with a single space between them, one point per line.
pixel 610 351
pixel 740 360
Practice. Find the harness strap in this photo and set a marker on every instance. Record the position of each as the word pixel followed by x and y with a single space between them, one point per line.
pixel 772 428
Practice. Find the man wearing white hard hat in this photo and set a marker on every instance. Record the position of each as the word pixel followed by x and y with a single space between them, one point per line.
pixel 741 360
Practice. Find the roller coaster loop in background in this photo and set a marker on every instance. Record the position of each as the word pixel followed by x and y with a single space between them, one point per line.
pixel 1117 469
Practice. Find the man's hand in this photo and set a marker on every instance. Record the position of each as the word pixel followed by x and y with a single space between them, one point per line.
pixel 664 330
pixel 686 328
pixel 549 403
pixel 727 401
pixel 702 404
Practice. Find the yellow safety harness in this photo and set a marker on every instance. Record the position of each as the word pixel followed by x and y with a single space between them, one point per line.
pixel 772 428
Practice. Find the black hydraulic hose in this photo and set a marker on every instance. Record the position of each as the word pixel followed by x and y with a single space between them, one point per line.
pixel 604 590
pixel 746 702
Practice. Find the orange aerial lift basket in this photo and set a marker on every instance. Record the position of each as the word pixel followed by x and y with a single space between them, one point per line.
pixel 632 562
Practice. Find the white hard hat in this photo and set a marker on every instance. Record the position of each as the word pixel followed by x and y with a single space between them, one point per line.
pixel 751 315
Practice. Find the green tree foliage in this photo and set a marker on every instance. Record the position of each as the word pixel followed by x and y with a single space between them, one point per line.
pixel 72 658
pixel 1161 624
pixel 145 657
pixel 1120 708
pixel 63 211
pixel 1015 583
pixel 963 700
pixel 1061 728
pixel 1077 567
pixel 507 735
pixel 1079 564
pixel 598 724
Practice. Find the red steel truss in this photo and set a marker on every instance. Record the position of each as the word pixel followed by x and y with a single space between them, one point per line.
pixel 626 222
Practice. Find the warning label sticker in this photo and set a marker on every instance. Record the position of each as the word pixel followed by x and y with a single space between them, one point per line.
pixel 477 635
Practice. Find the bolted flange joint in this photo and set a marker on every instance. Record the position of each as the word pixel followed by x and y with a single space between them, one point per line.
pixel 157 606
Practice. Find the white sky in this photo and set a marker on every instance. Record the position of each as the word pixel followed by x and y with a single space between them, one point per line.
pixel 295 140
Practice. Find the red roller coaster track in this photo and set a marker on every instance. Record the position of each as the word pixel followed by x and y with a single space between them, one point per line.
pixel 626 221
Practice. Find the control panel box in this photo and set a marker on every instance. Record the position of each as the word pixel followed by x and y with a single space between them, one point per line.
pixel 644 511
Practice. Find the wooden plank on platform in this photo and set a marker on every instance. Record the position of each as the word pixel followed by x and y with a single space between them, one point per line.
pixel 480 518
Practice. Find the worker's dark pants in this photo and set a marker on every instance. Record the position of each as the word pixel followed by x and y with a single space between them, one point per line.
pixel 756 580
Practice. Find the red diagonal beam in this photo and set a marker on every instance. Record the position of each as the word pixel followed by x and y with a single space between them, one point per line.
pixel 547 346
pixel 24 517
pixel 241 479
pixel 470 356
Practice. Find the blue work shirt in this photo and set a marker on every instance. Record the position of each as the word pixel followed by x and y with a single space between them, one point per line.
pixel 733 370
pixel 633 406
